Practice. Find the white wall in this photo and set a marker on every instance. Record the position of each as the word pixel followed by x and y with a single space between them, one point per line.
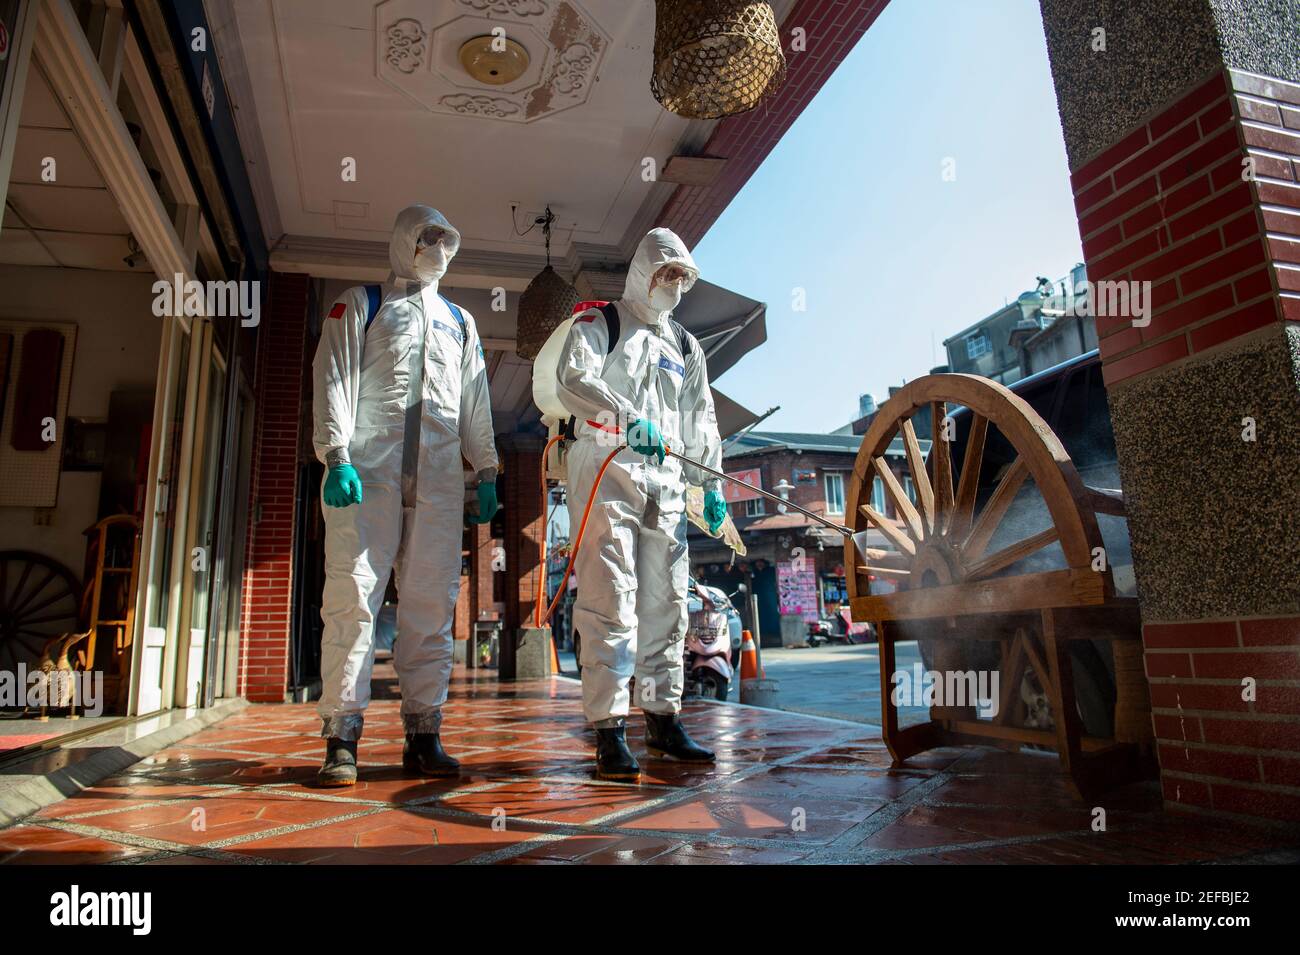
pixel 117 347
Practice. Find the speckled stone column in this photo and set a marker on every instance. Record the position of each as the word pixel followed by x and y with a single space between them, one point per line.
pixel 1182 126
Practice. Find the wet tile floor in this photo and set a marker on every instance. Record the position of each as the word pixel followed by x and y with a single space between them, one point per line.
pixel 786 788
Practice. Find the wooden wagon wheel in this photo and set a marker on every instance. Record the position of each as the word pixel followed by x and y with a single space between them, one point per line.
pixel 946 570
pixel 39 599
pixel 942 564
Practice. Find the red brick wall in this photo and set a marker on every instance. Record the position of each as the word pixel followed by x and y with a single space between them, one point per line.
pixel 831 27
pixel 1270 115
pixel 1168 204
pixel 268 577
pixel 1217 750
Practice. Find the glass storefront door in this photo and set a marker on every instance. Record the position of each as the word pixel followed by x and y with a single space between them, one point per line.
pixel 222 657
pixel 201 530
pixel 161 521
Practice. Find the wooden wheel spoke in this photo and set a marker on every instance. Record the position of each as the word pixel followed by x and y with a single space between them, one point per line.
pixel 941 458
pixel 883 571
pixel 886 558
pixel 994 511
pixel 916 465
pixel 902 504
pixel 22 583
pixel 1009 555
pixel 50 576
pixel 49 600
pixel 26 636
pixel 963 512
pixel 889 529
pixel 49 618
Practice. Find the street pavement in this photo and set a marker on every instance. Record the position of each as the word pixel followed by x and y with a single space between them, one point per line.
pixel 835 681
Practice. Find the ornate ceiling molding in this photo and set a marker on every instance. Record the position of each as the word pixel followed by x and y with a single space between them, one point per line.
pixel 417 54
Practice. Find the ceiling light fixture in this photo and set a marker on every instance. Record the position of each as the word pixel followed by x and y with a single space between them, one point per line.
pixel 494 60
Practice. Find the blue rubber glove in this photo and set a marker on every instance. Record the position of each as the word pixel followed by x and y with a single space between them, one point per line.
pixel 487 502
pixel 643 437
pixel 342 486
pixel 715 509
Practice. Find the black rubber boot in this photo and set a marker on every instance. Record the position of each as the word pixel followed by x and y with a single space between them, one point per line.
pixel 340 767
pixel 665 736
pixel 613 759
pixel 423 754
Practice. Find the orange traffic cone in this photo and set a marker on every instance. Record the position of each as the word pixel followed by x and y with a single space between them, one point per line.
pixel 748 656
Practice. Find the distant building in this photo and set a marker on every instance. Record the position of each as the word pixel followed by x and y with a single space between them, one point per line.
pixel 1040 329
pixel 794 565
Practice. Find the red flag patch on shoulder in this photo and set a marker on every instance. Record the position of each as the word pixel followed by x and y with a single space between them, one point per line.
pixel 338 310
pixel 584 307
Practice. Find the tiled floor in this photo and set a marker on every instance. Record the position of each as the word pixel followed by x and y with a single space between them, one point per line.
pixel 786 788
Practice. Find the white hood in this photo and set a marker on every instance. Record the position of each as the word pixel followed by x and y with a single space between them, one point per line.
pixel 660 247
pixel 411 223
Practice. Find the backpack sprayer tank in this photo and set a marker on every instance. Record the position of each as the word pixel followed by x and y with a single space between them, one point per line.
pixel 546 394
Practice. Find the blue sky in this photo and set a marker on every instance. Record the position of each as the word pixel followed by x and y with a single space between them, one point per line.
pixel 851 206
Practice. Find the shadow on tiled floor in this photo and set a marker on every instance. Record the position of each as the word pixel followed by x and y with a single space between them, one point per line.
pixel 786 788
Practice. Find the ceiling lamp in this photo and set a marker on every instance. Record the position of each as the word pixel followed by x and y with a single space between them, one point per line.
pixel 715 59
pixel 546 303
pixel 494 60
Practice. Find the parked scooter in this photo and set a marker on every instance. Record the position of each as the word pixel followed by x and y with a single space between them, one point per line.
pixel 708 642
pixel 838 628
pixel 713 640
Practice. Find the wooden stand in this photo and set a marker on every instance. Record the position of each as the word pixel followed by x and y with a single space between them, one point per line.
pixel 112 566
pixel 946 579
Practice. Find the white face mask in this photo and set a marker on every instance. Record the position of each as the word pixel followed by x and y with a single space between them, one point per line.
pixel 664 298
pixel 431 262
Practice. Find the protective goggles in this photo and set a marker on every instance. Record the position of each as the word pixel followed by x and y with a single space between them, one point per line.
pixel 435 234
pixel 675 275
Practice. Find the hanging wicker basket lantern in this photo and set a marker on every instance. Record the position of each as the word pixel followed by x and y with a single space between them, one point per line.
pixel 715 59
pixel 545 304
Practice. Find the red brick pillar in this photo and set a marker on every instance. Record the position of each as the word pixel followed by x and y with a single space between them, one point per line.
pixel 524 534
pixel 268 574
pixel 1185 172
pixel 462 619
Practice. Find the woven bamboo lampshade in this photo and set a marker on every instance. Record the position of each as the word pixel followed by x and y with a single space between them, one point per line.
pixel 715 59
pixel 546 303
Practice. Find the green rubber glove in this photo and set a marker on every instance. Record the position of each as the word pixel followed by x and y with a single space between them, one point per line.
pixel 342 486
pixel 715 509
pixel 487 502
pixel 643 437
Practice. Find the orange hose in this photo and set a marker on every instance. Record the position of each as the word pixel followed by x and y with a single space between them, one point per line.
pixel 577 541
pixel 540 620
pixel 546 524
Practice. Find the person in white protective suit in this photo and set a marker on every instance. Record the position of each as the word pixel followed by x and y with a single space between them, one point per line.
pixel 401 392
pixel 638 375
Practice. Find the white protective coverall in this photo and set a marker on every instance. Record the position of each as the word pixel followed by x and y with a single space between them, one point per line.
pixel 632 567
pixel 400 401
